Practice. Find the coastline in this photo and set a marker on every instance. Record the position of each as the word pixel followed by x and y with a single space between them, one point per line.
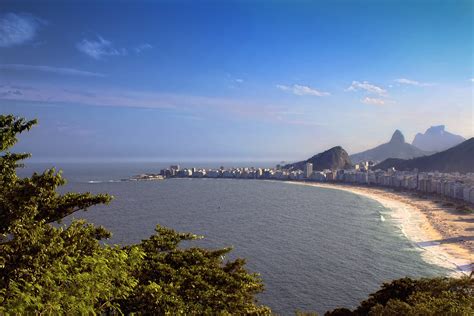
pixel 445 236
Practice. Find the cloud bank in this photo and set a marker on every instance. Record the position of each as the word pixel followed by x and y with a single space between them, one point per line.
pixel 302 90
pixel 57 70
pixel 187 105
pixel 17 29
pixel 412 82
pixel 366 86
pixel 99 48
pixel 140 48
pixel 373 101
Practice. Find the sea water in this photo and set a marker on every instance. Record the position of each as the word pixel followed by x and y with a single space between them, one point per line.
pixel 316 249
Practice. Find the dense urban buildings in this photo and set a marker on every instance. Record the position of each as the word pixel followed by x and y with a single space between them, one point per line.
pixel 452 185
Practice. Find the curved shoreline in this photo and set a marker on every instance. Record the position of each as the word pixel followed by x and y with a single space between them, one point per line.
pixel 445 237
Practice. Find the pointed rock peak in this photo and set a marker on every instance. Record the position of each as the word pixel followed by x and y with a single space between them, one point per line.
pixel 397 137
pixel 439 129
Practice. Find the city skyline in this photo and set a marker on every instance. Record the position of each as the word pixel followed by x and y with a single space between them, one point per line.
pixel 233 81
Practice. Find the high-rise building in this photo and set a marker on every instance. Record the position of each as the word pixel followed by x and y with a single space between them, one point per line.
pixel 175 167
pixel 308 170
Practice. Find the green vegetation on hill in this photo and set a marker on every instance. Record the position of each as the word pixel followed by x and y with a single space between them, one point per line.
pixel 334 158
pixel 437 296
pixel 66 270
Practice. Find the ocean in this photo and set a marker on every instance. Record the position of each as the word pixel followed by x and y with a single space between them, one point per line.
pixel 316 249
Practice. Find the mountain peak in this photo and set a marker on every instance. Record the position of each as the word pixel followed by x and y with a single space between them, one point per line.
pixel 439 129
pixel 454 159
pixel 436 138
pixel 395 148
pixel 336 148
pixel 334 158
pixel 397 137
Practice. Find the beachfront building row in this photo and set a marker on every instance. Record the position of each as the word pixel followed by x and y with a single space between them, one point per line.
pixel 452 185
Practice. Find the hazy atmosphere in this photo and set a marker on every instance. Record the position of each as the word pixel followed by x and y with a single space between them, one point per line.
pixel 232 81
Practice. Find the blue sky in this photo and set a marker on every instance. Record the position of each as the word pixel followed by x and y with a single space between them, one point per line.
pixel 232 80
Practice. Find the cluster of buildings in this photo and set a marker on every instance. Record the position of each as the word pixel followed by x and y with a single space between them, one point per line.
pixel 451 185
pixel 239 173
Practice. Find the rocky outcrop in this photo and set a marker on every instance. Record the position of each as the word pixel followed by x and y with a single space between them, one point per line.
pixel 395 148
pixel 436 138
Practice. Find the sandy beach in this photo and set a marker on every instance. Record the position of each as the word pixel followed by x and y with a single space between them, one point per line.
pixel 445 235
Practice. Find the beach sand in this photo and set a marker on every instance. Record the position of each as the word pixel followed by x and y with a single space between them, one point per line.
pixel 444 234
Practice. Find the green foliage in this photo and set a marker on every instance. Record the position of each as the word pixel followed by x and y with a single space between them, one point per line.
pixel 193 280
pixel 10 127
pixel 55 269
pixel 436 296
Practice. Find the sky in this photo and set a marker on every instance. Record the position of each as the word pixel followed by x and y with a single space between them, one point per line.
pixel 232 80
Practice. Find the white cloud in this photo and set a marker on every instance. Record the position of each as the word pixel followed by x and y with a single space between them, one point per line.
pixel 16 29
pixel 239 80
pixel 472 79
pixel 49 94
pixel 142 47
pixel 366 86
pixel 57 70
pixel 373 101
pixel 124 98
pixel 413 82
pixel 302 90
pixel 99 48
pixel 189 105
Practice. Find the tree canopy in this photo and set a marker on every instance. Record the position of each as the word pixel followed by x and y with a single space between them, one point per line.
pixel 47 268
pixel 426 296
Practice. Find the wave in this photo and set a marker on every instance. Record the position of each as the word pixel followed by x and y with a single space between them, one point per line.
pixel 104 181
pixel 409 220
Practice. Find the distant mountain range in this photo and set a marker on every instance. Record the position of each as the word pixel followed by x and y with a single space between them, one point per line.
pixel 435 139
pixel 402 155
pixel 334 158
pixel 459 158
pixel 395 148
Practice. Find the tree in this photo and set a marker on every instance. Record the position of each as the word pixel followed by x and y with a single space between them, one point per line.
pixel 426 296
pixel 48 268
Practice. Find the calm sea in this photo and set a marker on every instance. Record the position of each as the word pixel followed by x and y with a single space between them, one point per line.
pixel 316 249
